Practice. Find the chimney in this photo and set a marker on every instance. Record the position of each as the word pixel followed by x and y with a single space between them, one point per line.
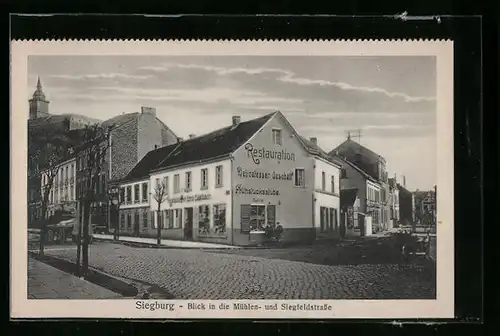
pixel 179 139
pixel 192 136
pixel 156 146
pixel 404 181
pixel 148 110
pixel 314 140
pixel 236 120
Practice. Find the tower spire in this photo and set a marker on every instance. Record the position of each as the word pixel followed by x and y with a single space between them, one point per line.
pixel 39 84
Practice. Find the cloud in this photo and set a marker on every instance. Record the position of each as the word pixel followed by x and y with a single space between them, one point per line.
pixel 100 76
pixel 286 77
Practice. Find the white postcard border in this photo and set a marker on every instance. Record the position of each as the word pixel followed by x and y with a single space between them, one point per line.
pixel 442 307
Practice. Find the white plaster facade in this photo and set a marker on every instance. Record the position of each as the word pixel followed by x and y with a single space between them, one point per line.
pixel 326 196
pixel 63 191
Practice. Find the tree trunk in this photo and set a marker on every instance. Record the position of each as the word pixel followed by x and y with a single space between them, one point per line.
pixel 158 226
pixel 43 229
pixel 79 238
pixel 86 237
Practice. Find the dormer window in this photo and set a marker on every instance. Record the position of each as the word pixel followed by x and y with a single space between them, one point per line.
pixel 277 140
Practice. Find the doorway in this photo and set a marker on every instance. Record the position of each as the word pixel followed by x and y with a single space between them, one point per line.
pixel 188 223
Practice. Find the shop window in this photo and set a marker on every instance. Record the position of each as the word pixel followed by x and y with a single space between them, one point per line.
pixel 169 223
pixel 129 221
pixel 219 214
pixel 300 177
pixel 178 218
pixel 257 217
pixel 204 219
pixel 277 137
pixel 145 220
pixel 271 215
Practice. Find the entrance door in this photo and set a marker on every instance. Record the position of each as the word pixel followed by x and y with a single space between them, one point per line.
pixel 188 224
pixel 361 220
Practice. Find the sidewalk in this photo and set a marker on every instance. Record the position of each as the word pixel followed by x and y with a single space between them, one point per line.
pixel 47 282
pixel 165 242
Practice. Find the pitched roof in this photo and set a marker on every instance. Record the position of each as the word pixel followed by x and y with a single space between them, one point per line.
pixel 355 167
pixel 120 119
pixel 314 149
pixel 220 142
pixel 349 143
pixel 347 197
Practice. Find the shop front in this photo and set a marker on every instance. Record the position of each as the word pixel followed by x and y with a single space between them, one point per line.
pixel 272 187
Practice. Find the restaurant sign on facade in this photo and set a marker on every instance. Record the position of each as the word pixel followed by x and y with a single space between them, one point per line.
pixel 190 198
pixel 257 154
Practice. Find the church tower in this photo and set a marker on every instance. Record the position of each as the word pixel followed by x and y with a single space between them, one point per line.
pixel 39 106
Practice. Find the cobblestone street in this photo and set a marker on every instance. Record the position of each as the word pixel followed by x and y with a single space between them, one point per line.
pixel 197 274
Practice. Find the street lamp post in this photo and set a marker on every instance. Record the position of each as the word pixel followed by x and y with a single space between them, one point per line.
pixel 114 199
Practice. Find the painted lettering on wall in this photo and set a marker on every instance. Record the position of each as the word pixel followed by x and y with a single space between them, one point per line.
pixel 256 154
pixel 252 173
pixel 242 190
pixel 190 198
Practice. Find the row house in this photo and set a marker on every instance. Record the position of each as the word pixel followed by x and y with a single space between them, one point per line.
pixel 374 165
pixel 394 211
pixel 232 184
pixel 364 193
pixel 406 204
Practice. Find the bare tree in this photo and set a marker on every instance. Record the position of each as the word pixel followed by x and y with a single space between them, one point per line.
pixel 45 153
pixel 94 148
pixel 160 194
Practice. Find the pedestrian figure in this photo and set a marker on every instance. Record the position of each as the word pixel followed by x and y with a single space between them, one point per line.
pixel 278 232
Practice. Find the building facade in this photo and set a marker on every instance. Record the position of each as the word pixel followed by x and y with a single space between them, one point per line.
pixel 373 165
pixel 368 195
pixel 394 203
pixel 406 205
pixel 230 185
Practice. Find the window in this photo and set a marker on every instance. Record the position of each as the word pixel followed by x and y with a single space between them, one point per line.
pixel 62 174
pixel 129 221
pixel 122 221
pixel 137 197
pixel 145 192
pixel 72 171
pixel 257 217
pixel 169 219
pixel 177 182
pixel 136 219
pixel 145 220
pixel 165 184
pixel 332 182
pixel 218 176
pixel 188 181
pixel 204 178
pixel 204 219
pixel 157 182
pixel 300 176
pixel 323 181
pixel 178 218
pixel 122 194
pixel 67 169
pixel 128 198
pixel 219 218
pixel 71 193
pixel 277 137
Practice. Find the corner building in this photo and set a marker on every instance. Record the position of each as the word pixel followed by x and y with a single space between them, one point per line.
pixel 228 185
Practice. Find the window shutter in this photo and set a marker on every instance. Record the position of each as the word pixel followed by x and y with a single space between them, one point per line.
pixel 271 215
pixel 245 217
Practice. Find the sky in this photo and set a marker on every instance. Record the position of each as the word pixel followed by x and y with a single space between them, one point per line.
pixel 391 99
